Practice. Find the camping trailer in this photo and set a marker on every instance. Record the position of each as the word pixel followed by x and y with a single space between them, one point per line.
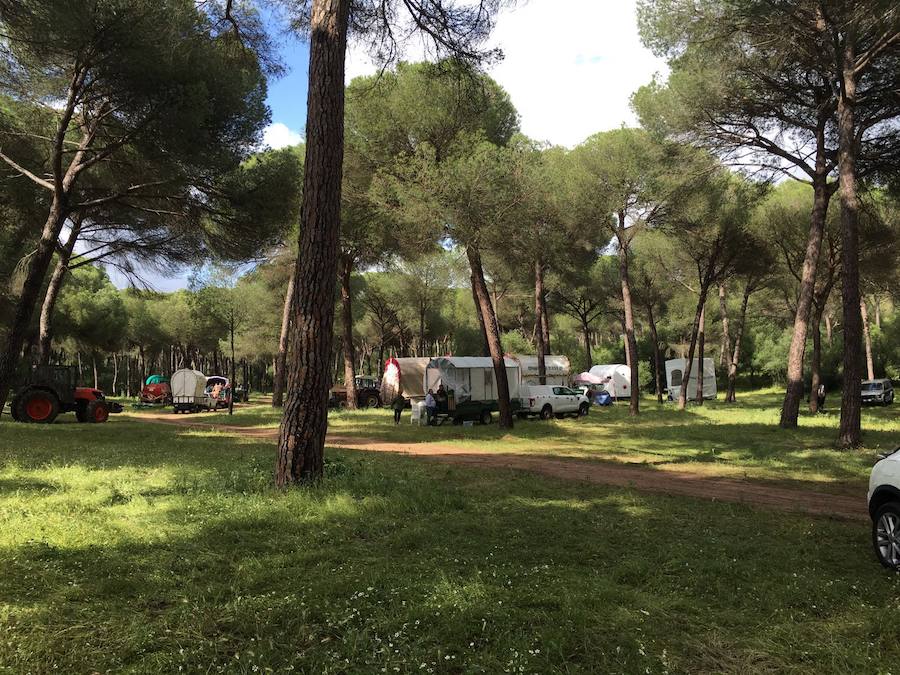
pixel 405 376
pixel 189 391
pixel 472 383
pixel 675 373
pixel 557 369
pixel 616 379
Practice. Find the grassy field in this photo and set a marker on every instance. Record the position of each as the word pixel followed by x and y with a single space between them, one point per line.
pixel 149 548
pixel 731 440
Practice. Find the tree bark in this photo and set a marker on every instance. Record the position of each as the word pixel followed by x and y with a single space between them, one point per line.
pixel 701 349
pixel 545 320
pixel 115 381
pixel 96 374
pixel 695 330
pixel 347 332
pixel 31 287
pixel 850 433
pixel 867 335
pixel 489 318
pixel 231 377
pixel 280 376
pixel 586 331
pixel 301 442
pixel 815 362
pixel 539 318
pixel 790 408
pixel 45 339
pixel 631 343
pixel 731 396
pixel 726 335
pixel 485 348
pixel 657 355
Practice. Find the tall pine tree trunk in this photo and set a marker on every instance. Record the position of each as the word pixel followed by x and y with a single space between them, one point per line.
pixel 586 332
pixel 850 434
pixel 630 341
pixel 346 266
pixel 657 356
pixel 731 396
pixel 280 375
pixel 539 319
pixel 692 347
pixel 726 334
pixel 867 335
pixel 489 318
pixel 301 442
pixel 701 354
pixel 115 381
pixel 815 362
pixel 50 297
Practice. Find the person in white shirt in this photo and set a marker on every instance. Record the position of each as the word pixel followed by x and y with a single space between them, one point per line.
pixel 430 406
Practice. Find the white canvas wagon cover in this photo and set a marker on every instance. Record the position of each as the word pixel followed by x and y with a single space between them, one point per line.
pixel 471 377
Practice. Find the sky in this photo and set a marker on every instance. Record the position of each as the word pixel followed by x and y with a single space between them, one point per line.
pixel 570 68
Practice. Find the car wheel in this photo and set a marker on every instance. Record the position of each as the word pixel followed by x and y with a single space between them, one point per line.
pixel 97 412
pixel 546 412
pixel 583 410
pixel 886 535
pixel 486 417
pixel 889 398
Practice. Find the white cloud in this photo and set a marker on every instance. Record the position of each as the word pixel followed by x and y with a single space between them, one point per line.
pixel 570 66
pixel 279 135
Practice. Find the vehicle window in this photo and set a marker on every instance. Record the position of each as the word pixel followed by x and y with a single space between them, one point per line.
pixel 677 376
pixel 872 386
pixel 559 391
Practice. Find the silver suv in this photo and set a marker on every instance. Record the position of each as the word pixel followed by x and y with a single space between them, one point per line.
pixel 884 508
pixel 878 392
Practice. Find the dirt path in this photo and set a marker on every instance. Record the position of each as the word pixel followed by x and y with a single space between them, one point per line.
pixel 779 497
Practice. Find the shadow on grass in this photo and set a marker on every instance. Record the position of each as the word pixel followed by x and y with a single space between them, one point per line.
pixel 389 564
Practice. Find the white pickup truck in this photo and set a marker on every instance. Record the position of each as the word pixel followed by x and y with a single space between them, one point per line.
pixel 548 400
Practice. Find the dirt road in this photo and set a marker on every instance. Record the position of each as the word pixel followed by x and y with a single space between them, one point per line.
pixel 777 496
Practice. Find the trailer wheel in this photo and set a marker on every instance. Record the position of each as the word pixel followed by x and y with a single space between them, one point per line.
pixel 97 412
pixel 38 406
pixel 486 417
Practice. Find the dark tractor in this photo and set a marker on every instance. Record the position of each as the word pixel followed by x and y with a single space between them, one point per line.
pixel 50 390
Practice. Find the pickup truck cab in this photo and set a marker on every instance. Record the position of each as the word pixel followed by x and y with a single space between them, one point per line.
pixel 547 400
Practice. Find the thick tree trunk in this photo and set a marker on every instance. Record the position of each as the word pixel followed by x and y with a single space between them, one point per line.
pixel 815 362
pixel 850 434
pixel 25 304
pixel 790 408
pixel 867 335
pixel 726 335
pixel 630 341
pixel 701 354
pixel 545 321
pixel 695 330
pixel 657 355
pixel 346 266
pixel 53 288
pixel 485 348
pixel 586 332
pixel 731 396
pixel 489 318
pixel 280 374
pixel 301 442
pixel 539 318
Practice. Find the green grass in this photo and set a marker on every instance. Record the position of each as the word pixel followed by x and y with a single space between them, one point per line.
pixel 735 440
pixel 146 548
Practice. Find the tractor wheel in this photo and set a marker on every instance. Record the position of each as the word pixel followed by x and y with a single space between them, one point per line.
pixel 38 406
pixel 97 412
pixel 372 401
pixel 81 411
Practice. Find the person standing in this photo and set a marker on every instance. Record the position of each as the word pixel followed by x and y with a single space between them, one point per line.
pixel 398 404
pixel 430 406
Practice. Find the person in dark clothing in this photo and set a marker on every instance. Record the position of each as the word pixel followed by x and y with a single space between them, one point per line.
pixel 398 404
pixel 820 397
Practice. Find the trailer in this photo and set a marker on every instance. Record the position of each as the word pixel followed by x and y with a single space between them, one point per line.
pixel 404 376
pixel 218 390
pixel 615 378
pixel 156 391
pixel 675 375
pixel 189 391
pixel 470 385
pixel 557 368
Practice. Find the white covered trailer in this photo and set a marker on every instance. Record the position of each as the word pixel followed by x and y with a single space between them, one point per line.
pixel 675 375
pixel 557 368
pixel 615 379
pixel 405 376
pixel 189 391
pixel 471 377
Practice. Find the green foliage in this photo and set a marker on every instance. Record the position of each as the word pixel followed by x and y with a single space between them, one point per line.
pixel 91 311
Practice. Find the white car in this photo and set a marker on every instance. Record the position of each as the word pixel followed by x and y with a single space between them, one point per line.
pixel 548 400
pixel 884 508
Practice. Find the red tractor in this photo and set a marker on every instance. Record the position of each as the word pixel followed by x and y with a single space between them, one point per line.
pixel 50 390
